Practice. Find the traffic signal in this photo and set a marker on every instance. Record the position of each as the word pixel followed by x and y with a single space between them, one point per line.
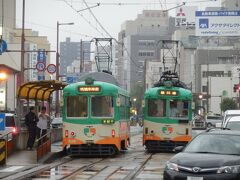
pixel 236 88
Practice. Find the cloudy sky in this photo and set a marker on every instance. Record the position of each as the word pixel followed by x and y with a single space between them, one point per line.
pixel 42 15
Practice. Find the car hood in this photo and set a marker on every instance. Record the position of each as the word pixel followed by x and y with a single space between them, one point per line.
pixel 204 160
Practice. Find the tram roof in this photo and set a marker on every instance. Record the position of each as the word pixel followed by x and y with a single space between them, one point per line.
pixel 106 87
pixel 39 90
pixel 153 92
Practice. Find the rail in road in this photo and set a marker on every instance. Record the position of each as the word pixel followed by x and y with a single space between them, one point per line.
pixel 135 163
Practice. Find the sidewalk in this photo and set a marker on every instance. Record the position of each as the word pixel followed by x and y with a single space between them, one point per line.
pixel 135 130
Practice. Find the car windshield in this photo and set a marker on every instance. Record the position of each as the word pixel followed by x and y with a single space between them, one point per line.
pixel 102 106
pixel 215 143
pixel 233 125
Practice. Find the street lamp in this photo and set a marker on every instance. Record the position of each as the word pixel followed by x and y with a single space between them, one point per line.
pixel 3 77
pixel 57 63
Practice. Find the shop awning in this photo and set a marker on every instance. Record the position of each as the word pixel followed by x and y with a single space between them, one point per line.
pixel 39 90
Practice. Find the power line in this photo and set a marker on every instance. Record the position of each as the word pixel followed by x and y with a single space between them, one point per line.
pixel 136 3
pixel 97 19
pixel 83 17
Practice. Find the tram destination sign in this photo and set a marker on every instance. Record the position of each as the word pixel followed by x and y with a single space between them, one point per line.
pixel 217 23
pixel 168 93
pixel 89 88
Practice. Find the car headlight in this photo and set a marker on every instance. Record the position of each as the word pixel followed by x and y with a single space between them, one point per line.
pixel 229 169
pixel 171 166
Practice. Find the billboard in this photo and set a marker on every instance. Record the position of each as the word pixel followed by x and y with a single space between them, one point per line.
pixel 185 16
pixel 217 23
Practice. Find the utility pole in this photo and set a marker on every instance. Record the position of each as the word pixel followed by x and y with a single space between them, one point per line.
pixel 58 65
pixel 81 58
pixel 1 33
pixel 239 91
pixel 22 45
pixel 144 73
pixel 207 75
pixel 57 73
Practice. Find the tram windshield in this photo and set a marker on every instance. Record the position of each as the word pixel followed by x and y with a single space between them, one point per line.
pixel 77 106
pixel 156 107
pixel 102 106
pixel 178 108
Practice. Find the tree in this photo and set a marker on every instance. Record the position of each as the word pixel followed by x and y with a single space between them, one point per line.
pixel 227 104
pixel 137 93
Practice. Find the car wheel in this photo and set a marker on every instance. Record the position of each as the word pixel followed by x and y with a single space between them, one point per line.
pixel 209 125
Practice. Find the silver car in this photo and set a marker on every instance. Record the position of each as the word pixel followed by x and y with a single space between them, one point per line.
pixel 213 119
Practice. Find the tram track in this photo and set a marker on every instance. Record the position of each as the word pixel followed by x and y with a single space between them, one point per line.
pixel 94 168
pixel 138 169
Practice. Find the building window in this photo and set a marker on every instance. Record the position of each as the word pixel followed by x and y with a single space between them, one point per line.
pixel 146 53
pixel 226 60
pixel 146 42
pixel 213 73
pixel 204 88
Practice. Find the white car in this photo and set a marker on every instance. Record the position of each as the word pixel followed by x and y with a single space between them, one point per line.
pixel 232 123
pixel 10 126
pixel 230 113
pixel 57 122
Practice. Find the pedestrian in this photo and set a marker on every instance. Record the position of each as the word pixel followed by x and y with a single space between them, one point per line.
pixel 42 124
pixel 31 120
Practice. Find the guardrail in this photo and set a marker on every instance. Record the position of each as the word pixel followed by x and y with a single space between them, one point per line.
pixel 4 139
pixel 43 145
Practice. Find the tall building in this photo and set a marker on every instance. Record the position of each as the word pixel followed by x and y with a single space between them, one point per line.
pixel 139 40
pixel 216 71
pixel 189 43
pixel 71 51
pixel 9 15
pixel 33 42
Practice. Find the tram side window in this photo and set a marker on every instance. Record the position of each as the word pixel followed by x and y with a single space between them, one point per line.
pixel 102 106
pixel 157 107
pixel 179 108
pixel 77 106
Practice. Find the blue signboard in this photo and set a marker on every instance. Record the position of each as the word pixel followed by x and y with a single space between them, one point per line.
pixel 41 78
pixel 2 121
pixel 3 46
pixel 71 79
pixel 41 57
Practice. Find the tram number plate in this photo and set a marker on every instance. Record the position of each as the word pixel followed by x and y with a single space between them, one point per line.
pixel 194 178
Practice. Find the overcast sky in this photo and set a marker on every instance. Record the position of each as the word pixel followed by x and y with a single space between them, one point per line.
pixel 42 16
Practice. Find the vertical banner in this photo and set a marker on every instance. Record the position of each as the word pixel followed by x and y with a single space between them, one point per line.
pixel 41 57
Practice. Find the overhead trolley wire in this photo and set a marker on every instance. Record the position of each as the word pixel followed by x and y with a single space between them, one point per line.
pixel 83 17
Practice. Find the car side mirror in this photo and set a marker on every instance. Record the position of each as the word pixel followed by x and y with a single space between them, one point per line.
pixel 178 149
pixel 218 125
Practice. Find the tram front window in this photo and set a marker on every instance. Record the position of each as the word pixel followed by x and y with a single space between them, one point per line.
pixel 178 108
pixel 77 106
pixel 156 107
pixel 102 106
